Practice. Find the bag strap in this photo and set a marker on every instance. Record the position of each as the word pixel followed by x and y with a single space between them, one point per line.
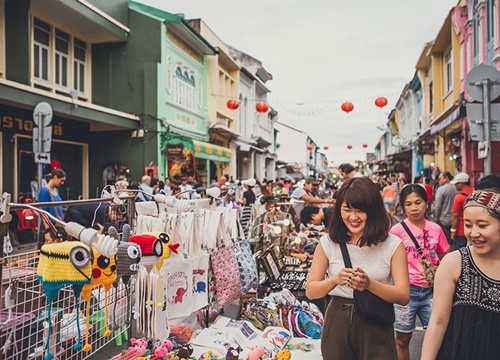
pixel 345 255
pixel 419 249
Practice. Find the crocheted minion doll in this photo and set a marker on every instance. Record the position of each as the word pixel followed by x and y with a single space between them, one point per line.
pixel 68 262
pixel 103 274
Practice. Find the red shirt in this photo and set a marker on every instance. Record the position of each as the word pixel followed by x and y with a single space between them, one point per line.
pixel 458 207
pixel 429 190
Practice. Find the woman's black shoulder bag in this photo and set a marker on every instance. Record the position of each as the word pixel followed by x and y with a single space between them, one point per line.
pixel 367 305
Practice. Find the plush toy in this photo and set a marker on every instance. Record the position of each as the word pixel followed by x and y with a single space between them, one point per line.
pixel 284 354
pixel 163 349
pixel 128 255
pixel 209 355
pixel 139 346
pixel 256 353
pixel 68 262
pixel 127 265
pixel 156 245
pixel 185 351
pixel 103 274
pixel 233 353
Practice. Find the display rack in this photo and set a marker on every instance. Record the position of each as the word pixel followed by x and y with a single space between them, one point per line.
pixel 23 307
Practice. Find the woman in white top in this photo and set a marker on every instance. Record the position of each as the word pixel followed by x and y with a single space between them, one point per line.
pixel 379 265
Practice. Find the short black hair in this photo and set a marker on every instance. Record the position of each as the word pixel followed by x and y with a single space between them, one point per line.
pixel 447 174
pixel 487 182
pixel 347 168
pixel 412 188
pixel 307 213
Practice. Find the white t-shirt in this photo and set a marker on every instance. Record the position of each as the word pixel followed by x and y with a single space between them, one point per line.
pixel 297 194
pixel 375 260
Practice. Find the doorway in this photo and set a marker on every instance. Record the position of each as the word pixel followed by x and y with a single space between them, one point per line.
pixel 70 158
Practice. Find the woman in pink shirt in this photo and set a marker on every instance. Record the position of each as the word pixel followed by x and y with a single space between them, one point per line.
pixel 434 246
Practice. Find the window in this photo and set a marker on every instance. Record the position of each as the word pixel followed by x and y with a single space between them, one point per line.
pixel 185 89
pixel 448 71
pixel 79 50
pixel 41 51
pixel 490 20
pixel 62 54
pixel 59 59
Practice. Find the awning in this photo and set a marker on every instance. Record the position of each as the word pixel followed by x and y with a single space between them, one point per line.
pixel 443 124
pixel 203 150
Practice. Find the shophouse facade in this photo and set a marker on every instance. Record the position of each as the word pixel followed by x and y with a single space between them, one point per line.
pixel 479 25
pixel 174 83
pixel 255 147
pixel 223 78
pixel 49 52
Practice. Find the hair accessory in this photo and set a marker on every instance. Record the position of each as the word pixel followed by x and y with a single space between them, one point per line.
pixel 64 263
pixel 487 199
pixel 103 273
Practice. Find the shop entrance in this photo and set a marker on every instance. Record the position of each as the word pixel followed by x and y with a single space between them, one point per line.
pixel 67 156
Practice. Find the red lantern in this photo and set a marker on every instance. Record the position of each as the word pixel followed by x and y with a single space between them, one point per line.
pixel 309 147
pixel 349 147
pixel 325 148
pixel 381 102
pixel 233 104
pixel 347 107
pixel 262 107
pixel 365 145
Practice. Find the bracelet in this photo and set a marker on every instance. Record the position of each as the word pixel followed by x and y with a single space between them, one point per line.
pixel 453 230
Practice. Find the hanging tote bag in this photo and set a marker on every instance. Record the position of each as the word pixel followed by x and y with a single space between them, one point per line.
pixel 223 264
pixel 367 305
pixel 249 277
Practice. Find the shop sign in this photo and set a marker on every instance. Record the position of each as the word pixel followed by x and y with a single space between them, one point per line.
pixel 20 121
pixel 175 150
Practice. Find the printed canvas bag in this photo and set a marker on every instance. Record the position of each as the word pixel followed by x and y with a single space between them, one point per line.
pixel 223 264
pixel 249 277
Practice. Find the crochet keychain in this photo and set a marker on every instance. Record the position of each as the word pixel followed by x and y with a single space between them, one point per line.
pixel 103 274
pixel 69 262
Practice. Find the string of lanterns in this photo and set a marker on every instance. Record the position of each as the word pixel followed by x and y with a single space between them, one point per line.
pixel 379 102
pixel 234 104
pixel 262 106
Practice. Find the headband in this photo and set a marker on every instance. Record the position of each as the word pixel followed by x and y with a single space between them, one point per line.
pixel 486 199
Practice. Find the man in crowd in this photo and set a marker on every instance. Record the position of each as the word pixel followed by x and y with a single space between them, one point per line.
pixel 316 216
pixel 184 187
pixel 347 171
pixel 443 207
pixel 305 196
pixel 462 185
pixel 146 187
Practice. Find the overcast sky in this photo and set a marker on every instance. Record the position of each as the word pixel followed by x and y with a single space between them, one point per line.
pixel 322 53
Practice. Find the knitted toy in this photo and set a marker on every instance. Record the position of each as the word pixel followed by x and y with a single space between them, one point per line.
pixel 185 351
pixel 68 262
pixel 163 349
pixel 128 255
pixel 103 274
pixel 284 354
pixel 233 353
pixel 127 265
pixel 159 245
